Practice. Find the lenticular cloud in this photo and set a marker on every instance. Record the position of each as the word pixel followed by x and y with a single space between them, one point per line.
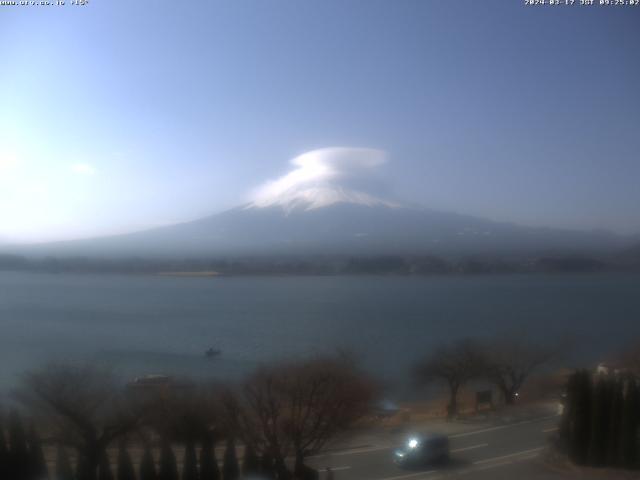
pixel 325 176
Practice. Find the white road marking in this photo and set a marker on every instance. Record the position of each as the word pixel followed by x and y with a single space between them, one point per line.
pixel 547 430
pixel 409 475
pixel 501 427
pixel 335 469
pixel 473 447
pixel 376 449
pixel 489 466
pixel 503 457
pixel 353 452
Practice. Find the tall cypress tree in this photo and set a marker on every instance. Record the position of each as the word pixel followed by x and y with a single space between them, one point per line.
pixel 615 423
pixel 104 467
pixel 267 467
pixel 600 412
pixel 281 469
pixel 168 466
pixel 125 465
pixel 634 404
pixel 230 467
pixel 37 463
pixel 629 429
pixel 190 463
pixel 18 451
pixel 580 434
pixel 63 469
pixel 147 465
pixel 83 471
pixel 250 463
pixel 4 454
pixel 208 464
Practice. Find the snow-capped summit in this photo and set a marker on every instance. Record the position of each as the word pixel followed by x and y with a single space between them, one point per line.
pixel 324 177
pixel 314 197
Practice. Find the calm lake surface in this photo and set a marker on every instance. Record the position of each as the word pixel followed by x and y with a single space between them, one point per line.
pixel 146 324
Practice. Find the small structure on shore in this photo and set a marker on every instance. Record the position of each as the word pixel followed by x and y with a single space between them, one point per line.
pixel 154 384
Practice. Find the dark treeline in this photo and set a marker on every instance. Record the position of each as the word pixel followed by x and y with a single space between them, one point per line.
pixel 313 265
pixel 22 458
pixel 601 420
pixel 278 416
pixel 21 455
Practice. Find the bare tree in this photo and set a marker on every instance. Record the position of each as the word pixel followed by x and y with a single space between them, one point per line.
pixel 324 397
pixel 186 414
pixel 261 412
pixel 454 364
pixel 82 406
pixel 298 407
pixel 508 361
pixel 240 420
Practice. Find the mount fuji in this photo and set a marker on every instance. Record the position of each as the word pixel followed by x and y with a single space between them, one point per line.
pixel 329 204
pixel 337 221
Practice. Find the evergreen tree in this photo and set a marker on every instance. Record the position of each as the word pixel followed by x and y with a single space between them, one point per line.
pixel 63 469
pixel 600 412
pixel 4 454
pixel 579 434
pixel 37 463
pixel 267 466
pixel 251 463
pixel 104 467
pixel 615 423
pixel 281 470
pixel 18 451
pixel 168 466
pixel 629 427
pixel 125 466
pixel 147 465
pixel 190 463
pixel 208 464
pixel 230 468
pixel 83 470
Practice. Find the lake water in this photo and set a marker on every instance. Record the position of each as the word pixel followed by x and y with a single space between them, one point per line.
pixel 146 324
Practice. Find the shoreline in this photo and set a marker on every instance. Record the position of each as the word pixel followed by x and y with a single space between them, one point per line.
pixel 209 273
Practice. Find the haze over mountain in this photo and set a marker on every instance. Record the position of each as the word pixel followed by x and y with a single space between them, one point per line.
pixel 333 202
pixel 454 91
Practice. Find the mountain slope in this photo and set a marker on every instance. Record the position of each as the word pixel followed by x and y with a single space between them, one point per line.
pixel 334 222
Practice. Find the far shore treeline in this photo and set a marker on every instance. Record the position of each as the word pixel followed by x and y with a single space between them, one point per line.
pixel 323 265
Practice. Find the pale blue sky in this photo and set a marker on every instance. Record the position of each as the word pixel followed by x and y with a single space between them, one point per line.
pixel 122 115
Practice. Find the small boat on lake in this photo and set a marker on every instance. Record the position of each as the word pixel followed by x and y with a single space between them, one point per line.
pixel 212 352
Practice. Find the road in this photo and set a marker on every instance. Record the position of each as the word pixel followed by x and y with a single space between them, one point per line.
pixel 504 451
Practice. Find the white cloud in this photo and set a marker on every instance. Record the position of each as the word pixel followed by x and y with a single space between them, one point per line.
pixel 335 166
pixel 83 169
